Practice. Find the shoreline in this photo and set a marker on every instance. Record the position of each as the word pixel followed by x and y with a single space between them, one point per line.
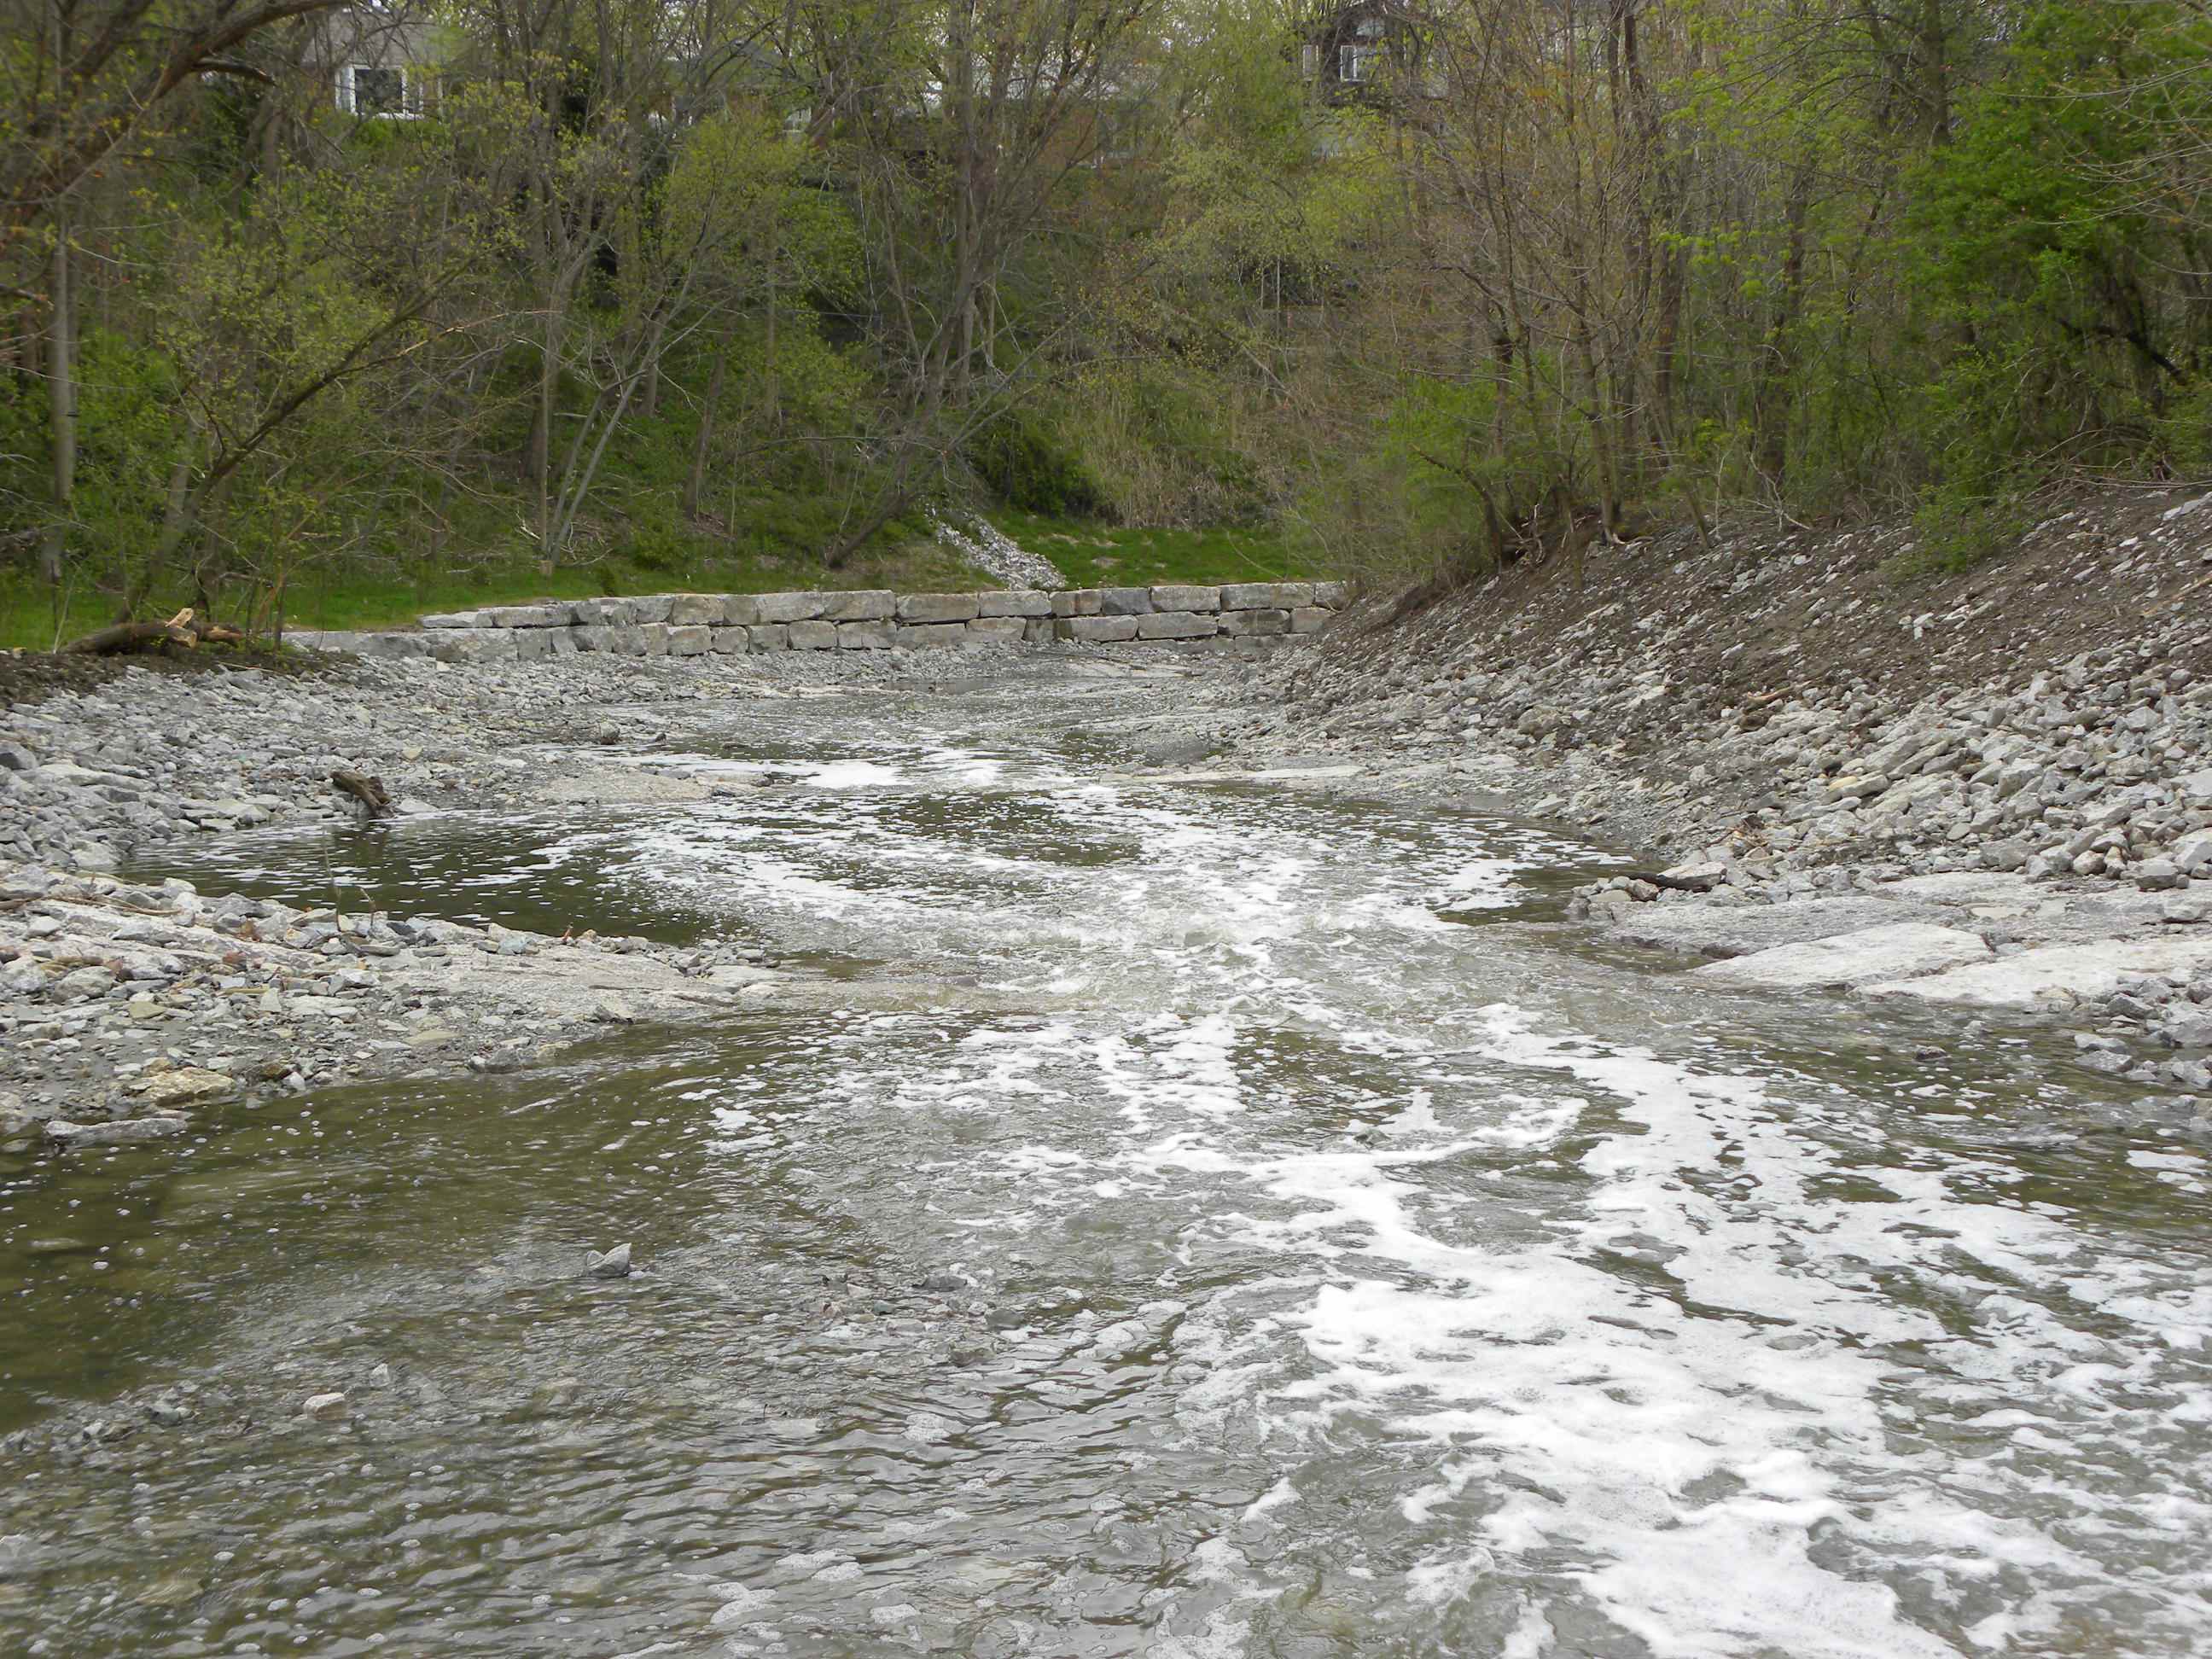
pixel 2018 822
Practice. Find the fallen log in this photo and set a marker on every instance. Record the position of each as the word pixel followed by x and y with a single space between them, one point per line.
pixel 126 639
pixel 366 791
pixel 184 630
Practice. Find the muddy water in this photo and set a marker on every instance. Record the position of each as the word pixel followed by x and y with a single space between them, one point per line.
pixel 1269 1234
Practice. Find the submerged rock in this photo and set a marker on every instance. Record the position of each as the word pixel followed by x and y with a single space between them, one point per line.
pixel 615 1264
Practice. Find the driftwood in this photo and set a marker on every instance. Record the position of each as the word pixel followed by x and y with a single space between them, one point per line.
pixel 368 791
pixel 184 631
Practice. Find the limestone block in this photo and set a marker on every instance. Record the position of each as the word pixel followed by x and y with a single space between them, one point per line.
pixel 689 640
pixel 1125 601
pixel 1334 595
pixel 1038 631
pixel 997 630
pixel 590 636
pixel 1177 625
pixel 655 635
pixel 939 608
pixel 771 636
pixel 1075 602
pixel 328 640
pixel 1014 602
pixel 1266 596
pixel 1250 623
pixel 871 635
pixel 454 619
pixel 626 641
pixel 613 613
pixel 474 645
pixel 927 637
pixel 699 609
pixel 791 607
pixel 650 608
pixel 1095 630
pixel 861 605
pixel 812 635
pixel 742 610
pixel 1310 618
pixel 732 642
pixel 1186 598
pixel 561 643
pixel 526 615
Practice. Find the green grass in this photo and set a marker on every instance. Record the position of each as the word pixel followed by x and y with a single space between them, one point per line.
pixel 1094 556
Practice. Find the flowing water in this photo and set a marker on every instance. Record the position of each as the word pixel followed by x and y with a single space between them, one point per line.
pixel 1259 1228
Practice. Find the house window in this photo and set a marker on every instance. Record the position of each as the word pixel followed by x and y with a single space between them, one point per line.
pixel 371 89
pixel 1310 60
pixel 1358 62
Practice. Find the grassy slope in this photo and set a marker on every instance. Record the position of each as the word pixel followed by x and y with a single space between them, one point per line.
pixel 1088 555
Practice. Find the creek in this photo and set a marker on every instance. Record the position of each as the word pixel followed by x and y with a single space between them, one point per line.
pixel 1235 1218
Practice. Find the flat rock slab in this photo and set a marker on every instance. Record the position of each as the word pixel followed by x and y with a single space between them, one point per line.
pixel 1970 887
pixel 1867 956
pixel 1738 930
pixel 2087 971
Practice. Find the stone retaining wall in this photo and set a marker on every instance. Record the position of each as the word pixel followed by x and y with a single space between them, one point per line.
pixel 871 619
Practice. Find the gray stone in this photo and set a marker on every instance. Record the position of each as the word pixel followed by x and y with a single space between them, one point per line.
pixel 324 1407
pixel 864 635
pixel 2090 971
pixel 1310 619
pixel 161 1127
pixel 814 635
pixel 997 630
pixel 933 636
pixel 1014 602
pixel 771 636
pixel 532 644
pixel 653 637
pixel 1201 599
pixel 1333 596
pixel 1735 930
pixel 650 608
pixel 1247 624
pixel 1095 630
pixel 732 641
pixel 1075 602
pixel 1267 596
pixel 2192 855
pixel 1125 601
pixel 1695 878
pixel 1177 625
pixel 605 613
pixel 453 619
pixel 2159 875
pixel 689 640
pixel 861 605
pixel 527 615
pixel 1897 950
pixel 699 611
pixel 474 645
pixel 615 1264
pixel 789 607
pixel 939 608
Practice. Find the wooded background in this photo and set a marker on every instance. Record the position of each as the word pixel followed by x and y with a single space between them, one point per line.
pixel 649 283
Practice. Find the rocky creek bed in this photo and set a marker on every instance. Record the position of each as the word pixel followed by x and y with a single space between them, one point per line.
pixel 1156 1155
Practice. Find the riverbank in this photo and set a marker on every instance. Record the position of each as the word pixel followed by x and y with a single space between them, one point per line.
pixel 127 1005
pixel 1992 788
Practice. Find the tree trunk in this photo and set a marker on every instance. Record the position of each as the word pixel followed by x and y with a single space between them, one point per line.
pixel 61 396
pixel 700 445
